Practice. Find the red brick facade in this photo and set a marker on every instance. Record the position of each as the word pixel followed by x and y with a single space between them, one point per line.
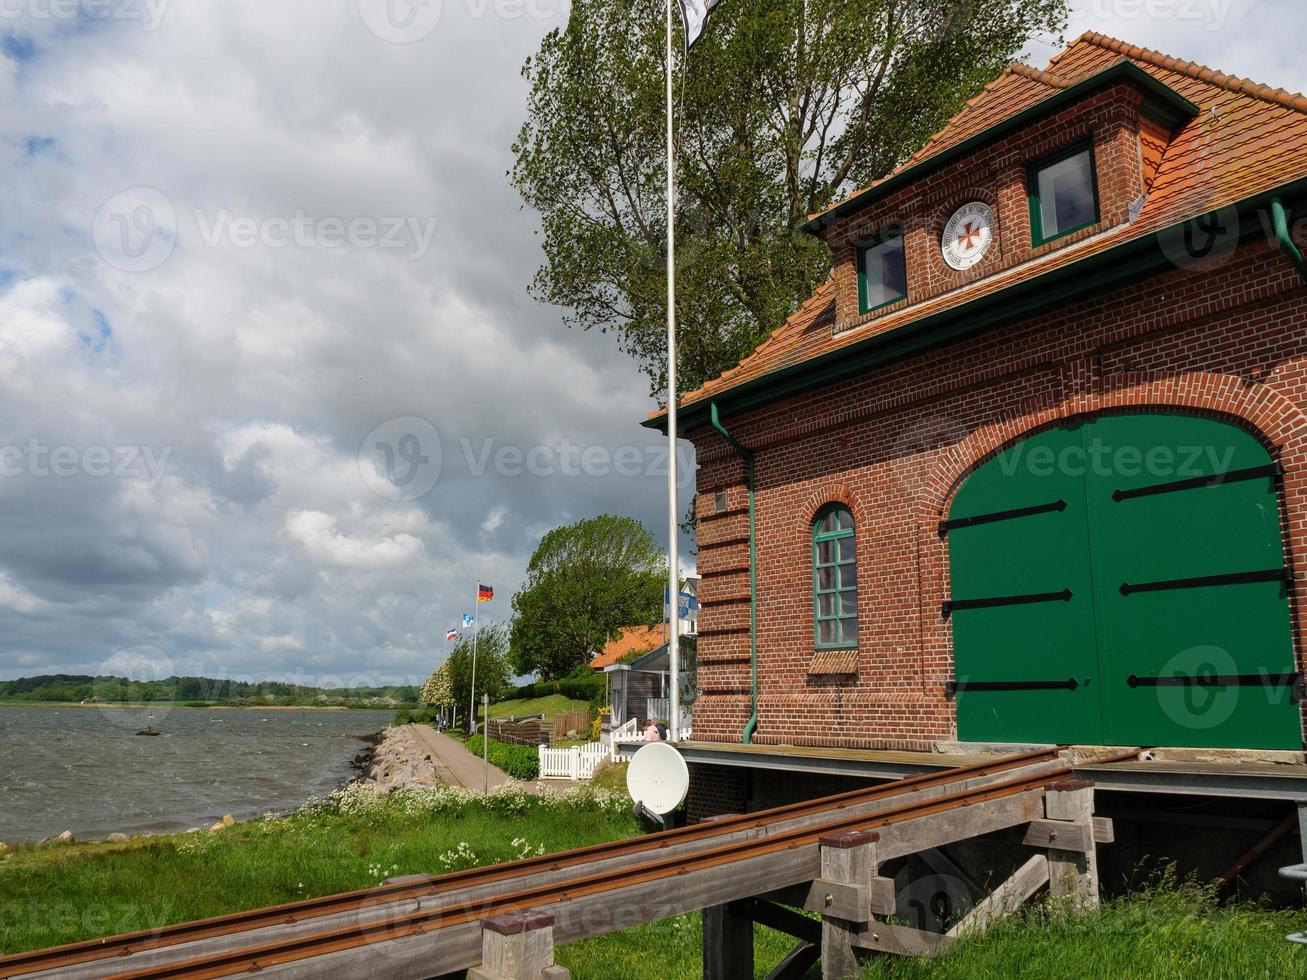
pixel 895 443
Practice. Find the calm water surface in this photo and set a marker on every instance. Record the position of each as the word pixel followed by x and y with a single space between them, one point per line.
pixel 86 769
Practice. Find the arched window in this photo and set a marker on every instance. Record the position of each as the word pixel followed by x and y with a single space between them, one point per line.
pixel 835 578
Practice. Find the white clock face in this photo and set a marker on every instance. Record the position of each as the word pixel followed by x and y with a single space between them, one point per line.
pixel 968 235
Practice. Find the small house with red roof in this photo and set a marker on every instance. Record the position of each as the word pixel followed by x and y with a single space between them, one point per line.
pixel 1031 467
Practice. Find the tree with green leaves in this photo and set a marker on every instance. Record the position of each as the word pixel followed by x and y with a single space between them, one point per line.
pixel 492 669
pixel 786 106
pixel 584 583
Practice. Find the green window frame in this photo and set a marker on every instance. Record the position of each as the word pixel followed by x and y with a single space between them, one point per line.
pixel 1037 234
pixel 888 241
pixel 834 579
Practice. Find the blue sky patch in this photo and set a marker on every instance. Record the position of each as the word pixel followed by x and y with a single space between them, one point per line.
pixel 17 48
pixel 39 144
pixel 101 333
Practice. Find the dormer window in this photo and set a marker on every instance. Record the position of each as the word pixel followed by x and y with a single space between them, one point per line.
pixel 1063 194
pixel 882 271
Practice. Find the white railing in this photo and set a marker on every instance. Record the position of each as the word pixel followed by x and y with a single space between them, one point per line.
pixel 577 762
pixel 623 737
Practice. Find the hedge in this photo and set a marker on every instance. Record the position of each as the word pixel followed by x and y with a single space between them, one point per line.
pixel 590 689
pixel 519 761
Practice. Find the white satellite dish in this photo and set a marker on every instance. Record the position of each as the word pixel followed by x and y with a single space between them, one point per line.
pixel 658 778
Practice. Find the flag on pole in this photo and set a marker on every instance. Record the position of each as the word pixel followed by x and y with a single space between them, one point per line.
pixel 696 14
pixel 467 621
pixel 451 634
pixel 484 593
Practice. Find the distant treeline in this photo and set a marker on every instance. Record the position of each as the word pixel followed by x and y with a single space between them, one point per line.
pixel 197 691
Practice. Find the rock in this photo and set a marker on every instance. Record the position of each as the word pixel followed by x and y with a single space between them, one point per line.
pixel 5 850
pixel 228 820
pixel 117 838
pixel 195 830
pixel 218 826
pixel 66 838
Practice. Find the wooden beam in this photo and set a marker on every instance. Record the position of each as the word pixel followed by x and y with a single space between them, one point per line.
pixel 727 942
pixel 839 899
pixel 1073 874
pixel 797 963
pixel 851 859
pixel 518 946
pixel 941 829
pixel 1062 834
pixel 1007 897
pixel 784 920
pixel 1104 830
pixel 882 937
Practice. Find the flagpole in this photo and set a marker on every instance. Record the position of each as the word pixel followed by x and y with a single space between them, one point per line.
pixel 476 618
pixel 673 522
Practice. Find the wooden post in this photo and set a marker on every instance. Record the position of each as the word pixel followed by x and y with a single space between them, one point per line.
pixel 850 860
pixel 518 946
pixel 1073 873
pixel 727 943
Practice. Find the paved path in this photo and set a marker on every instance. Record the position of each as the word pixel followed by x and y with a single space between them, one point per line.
pixel 465 769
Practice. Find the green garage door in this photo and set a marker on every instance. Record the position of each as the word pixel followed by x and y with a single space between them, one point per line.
pixel 1122 581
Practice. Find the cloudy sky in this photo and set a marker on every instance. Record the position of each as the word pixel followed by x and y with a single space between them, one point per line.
pixel 272 393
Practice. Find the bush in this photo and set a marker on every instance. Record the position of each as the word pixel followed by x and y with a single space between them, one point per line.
pixel 591 689
pixel 417 716
pixel 519 761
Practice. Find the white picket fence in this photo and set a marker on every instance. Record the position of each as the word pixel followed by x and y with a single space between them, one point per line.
pixel 578 762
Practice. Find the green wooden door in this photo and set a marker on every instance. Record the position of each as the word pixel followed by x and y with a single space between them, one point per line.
pixel 1177 628
pixel 1024 636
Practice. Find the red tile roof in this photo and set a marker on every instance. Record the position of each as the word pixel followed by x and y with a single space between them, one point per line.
pixel 1248 139
pixel 634 639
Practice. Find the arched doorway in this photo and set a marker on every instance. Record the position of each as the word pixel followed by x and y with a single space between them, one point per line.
pixel 1121 580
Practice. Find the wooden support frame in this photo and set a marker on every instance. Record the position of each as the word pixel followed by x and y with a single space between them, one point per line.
pixel 518 946
pixel 846 859
pixel 728 942
pixel 1072 872
pixel 1005 899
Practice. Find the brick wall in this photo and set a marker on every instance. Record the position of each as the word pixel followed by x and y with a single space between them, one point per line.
pixel 716 789
pixel 895 444
pixel 1110 121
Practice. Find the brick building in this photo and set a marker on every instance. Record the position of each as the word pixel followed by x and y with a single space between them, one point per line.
pixel 1032 465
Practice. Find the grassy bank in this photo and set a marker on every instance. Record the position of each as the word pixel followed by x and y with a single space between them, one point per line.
pixel 549 706
pixel 354 840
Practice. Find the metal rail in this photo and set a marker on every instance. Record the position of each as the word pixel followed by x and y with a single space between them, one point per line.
pixel 658 869
pixel 375 900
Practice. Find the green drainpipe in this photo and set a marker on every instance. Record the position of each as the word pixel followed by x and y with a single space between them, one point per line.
pixel 752 726
pixel 1281 219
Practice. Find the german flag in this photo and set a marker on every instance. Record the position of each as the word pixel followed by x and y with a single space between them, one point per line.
pixel 484 593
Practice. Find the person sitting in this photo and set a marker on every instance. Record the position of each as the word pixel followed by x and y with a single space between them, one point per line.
pixel 651 731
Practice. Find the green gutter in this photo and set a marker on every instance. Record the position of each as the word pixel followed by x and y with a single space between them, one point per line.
pixel 1118 266
pixel 1161 102
pixel 752 726
pixel 1281 219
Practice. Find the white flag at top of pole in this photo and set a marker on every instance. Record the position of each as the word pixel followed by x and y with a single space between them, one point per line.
pixel 696 14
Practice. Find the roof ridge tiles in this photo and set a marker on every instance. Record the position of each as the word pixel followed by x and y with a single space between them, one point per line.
pixel 1232 83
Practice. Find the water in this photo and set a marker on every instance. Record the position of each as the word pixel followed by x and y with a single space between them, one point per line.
pixel 86 770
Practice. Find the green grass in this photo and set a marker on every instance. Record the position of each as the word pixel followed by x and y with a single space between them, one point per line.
pixel 549 706
pixel 1167 931
pixel 57 895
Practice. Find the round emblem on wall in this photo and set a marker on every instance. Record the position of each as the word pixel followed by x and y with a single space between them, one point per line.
pixel 968 235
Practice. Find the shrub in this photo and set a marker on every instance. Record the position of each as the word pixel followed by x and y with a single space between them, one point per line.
pixel 519 761
pixel 590 688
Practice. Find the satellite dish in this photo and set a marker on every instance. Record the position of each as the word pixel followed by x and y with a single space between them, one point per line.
pixel 658 778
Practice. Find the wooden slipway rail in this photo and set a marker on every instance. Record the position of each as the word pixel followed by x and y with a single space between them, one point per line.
pixel 105 957
pixel 428 927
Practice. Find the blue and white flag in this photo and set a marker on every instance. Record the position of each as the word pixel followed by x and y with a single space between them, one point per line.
pixel 696 14
pixel 467 620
